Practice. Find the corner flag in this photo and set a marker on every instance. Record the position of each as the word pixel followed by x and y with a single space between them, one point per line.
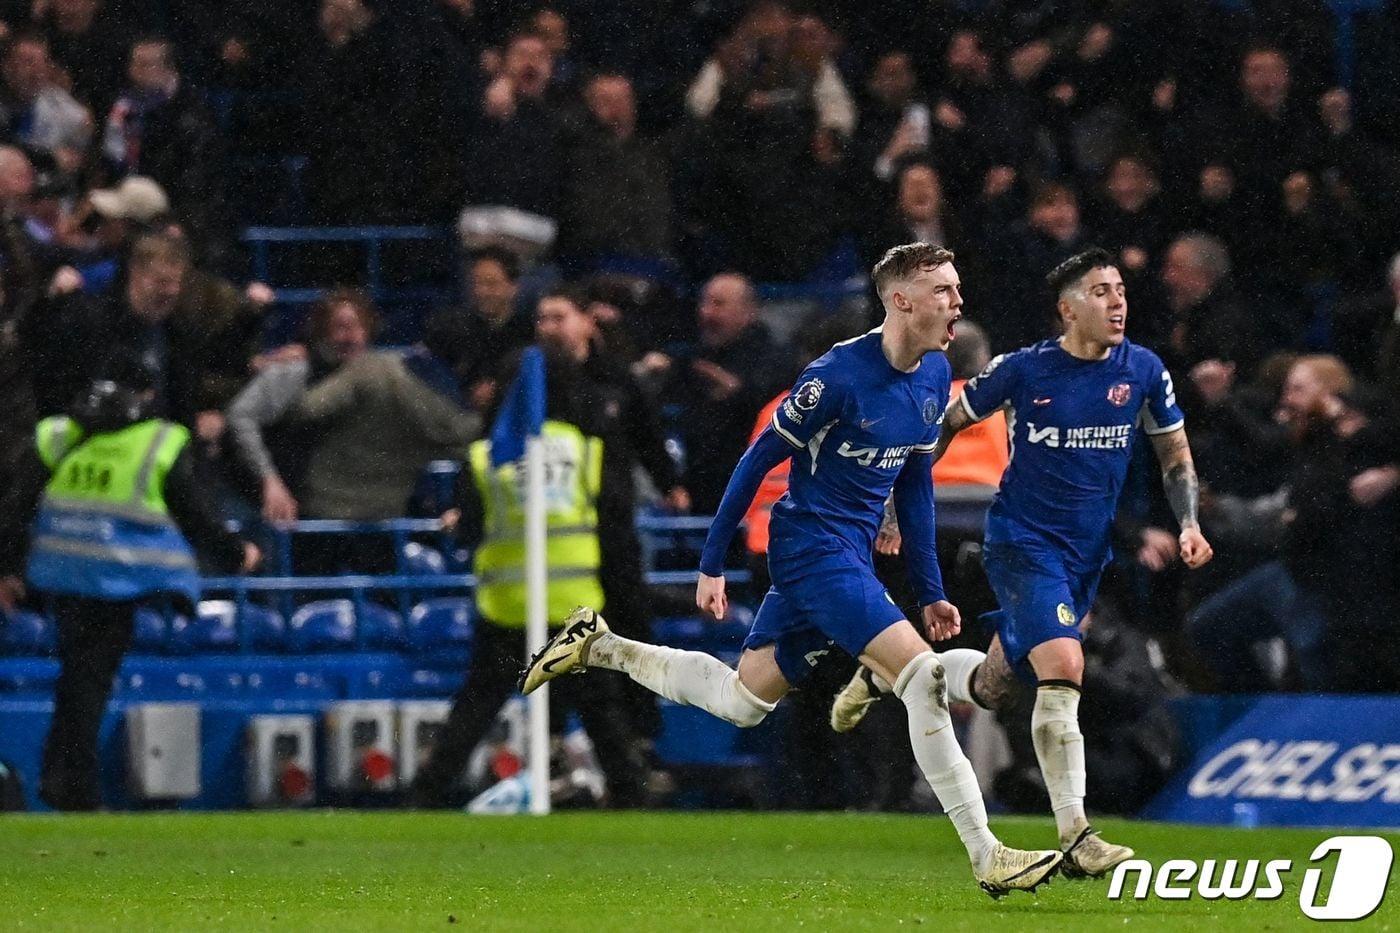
pixel 516 436
pixel 522 410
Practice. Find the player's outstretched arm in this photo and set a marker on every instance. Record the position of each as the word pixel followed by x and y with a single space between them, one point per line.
pixel 763 454
pixel 1183 493
pixel 913 503
pixel 955 418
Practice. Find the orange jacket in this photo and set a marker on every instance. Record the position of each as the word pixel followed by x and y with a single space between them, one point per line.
pixel 770 490
pixel 979 454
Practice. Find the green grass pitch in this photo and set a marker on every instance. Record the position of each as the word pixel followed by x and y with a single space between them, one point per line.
pixel 587 871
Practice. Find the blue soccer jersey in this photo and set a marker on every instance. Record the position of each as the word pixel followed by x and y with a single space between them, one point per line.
pixel 853 420
pixel 1072 424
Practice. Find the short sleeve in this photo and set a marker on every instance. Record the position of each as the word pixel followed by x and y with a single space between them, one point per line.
pixel 1161 415
pixel 985 393
pixel 814 402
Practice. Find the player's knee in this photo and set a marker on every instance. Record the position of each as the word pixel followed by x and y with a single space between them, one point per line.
pixel 923 680
pixel 741 706
pixel 1061 659
pixel 988 690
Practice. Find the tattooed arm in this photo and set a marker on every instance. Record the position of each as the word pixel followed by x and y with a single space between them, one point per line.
pixel 1183 492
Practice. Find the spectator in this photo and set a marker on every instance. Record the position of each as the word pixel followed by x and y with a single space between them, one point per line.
pixel 34 111
pixel 987 125
pixel 1132 220
pixel 376 425
pixel 1204 320
pixel 579 440
pixel 1050 233
pixel 475 340
pixel 775 118
pixel 980 453
pixel 159 128
pixel 894 120
pixel 101 228
pixel 617 199
pixel 605 399
pixel 23 234
pixel 73 335
pixel 95 560
pixel 516 157
pixel 734 372
pixel 1368 332
pixel 90 47
pixel 1263 140
pixel 17 415
pixel 920 213
pixel 339 330
pixel 354 166
pixel 1339 508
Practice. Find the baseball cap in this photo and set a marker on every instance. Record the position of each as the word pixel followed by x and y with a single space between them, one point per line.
pixel 137 198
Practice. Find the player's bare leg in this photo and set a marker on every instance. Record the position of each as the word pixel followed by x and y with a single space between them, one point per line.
pixel 901 657
pixel 1059 747
pixel 742 697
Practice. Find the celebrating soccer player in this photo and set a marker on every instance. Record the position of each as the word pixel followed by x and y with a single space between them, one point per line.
pixel 862 420
pixel 1073 406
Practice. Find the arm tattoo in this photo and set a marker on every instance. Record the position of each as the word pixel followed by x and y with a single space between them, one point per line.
pixel 889 523
pixel 1183 492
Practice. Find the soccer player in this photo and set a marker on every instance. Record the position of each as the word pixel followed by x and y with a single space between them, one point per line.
pixel 863 418
pixel 1073 406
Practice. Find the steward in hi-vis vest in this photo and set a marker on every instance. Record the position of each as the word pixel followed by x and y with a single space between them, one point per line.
pixel 588 464
pixel 104 529
pixel 573 475
pixel 101 518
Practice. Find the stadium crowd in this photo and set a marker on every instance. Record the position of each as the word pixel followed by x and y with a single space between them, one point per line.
pixel 1238 158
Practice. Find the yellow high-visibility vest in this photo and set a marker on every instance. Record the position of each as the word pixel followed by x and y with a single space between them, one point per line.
pixel 573 477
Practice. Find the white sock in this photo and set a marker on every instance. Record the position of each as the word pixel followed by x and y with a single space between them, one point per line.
pixel 881 685
pixel 688 677
pixel 961 664
pixel 921 686
pixel 1059 746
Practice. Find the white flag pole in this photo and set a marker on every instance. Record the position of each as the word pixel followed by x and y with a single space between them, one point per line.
pixel 536 621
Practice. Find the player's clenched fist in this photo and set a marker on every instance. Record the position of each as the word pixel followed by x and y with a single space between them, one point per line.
pixel 709 596
pixel 941 621
pixel 1195 549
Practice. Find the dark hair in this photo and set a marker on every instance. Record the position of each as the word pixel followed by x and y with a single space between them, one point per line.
pixel 508 261
pixel 1053 191
pixel 1077 266
pixel 318 322
pixel 1263 46
pixel 151 248
pixel 23 37
pixel 901 262
pixel 570 293
pixel 153 38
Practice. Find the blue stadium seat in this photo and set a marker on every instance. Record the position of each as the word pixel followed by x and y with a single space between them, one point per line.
pixel 27 677
pixel 28 634
pixel 264 628
pixel 213 631
pixel 381 629
pixel 444 622
pixel 325 625
pixel 148 636
pixel 421 560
